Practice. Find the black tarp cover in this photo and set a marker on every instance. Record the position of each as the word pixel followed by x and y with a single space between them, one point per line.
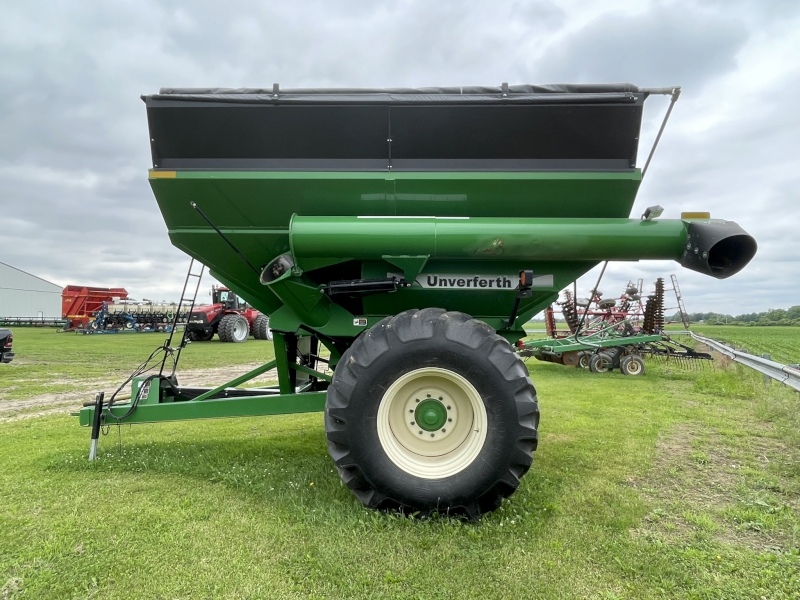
pixel 561 92
pixel 508 128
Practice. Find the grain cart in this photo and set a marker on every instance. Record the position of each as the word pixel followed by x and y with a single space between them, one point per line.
pixel 410 233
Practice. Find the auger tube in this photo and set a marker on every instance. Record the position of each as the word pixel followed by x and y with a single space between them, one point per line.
pixel 713 247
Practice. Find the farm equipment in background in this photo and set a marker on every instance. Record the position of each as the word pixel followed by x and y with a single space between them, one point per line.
pixel 130 316
pixel 613 333
pixel 589 314
pixel 314 206
pixel 80 303
pixel 6 341
pixel 615 346
pixel 33 321
pixel 229 317
pixel 631 306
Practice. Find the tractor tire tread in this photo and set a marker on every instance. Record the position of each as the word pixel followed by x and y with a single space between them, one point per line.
pixel 226 328
pixel 414 325
pixel 261 329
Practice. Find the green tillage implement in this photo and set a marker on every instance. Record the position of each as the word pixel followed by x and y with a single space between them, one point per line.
pixel 400 238
pixel 572 349
pixel 590 342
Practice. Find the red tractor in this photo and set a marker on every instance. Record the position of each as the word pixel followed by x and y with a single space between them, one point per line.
pixel 229 317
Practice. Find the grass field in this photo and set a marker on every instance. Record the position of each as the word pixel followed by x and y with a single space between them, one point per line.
pixel 50 362
pixel 678 484
pixel 782 343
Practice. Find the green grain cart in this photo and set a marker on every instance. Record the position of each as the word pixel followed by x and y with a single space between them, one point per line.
pixel 400 238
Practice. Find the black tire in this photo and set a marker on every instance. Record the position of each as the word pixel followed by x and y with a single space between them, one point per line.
pixel 233 328
pixel 449 345
pixel 199 336
pixel 600 363
pixel 632 365
pixel 261 330
pixel 583 360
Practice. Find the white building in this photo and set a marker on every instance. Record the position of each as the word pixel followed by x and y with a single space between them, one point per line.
pixel 25 295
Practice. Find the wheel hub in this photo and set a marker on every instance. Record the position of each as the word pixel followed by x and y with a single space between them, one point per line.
pixel 432 414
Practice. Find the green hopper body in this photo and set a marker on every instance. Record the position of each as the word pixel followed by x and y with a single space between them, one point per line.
pixel 447 196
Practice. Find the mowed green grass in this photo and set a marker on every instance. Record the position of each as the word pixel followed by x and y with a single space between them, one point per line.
pixel 47 361
pixel 677 484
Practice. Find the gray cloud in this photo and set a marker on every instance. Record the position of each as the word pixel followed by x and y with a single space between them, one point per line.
pixel 675 45
pixel 74 199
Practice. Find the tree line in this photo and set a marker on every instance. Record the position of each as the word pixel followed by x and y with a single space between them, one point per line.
pixel 773 316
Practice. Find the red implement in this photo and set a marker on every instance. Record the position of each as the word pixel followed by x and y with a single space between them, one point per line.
pixel 78 303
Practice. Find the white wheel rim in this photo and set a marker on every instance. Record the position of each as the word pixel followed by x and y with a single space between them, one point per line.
pixel 447 450
pixel 633 366
pixel 240 329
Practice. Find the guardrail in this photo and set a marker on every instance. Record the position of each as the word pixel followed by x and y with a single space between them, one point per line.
pixel 785 374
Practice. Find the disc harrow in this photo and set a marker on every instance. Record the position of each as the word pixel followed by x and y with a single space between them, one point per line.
pixel 612 329
pixel 653 321
pixel 570 312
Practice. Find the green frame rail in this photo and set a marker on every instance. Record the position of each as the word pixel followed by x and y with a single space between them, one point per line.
pixel 160 403
pixel 608 337
pixel 243 406
pixel 575 344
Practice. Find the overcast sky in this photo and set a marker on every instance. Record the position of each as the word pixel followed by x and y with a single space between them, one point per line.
pixel 75 206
